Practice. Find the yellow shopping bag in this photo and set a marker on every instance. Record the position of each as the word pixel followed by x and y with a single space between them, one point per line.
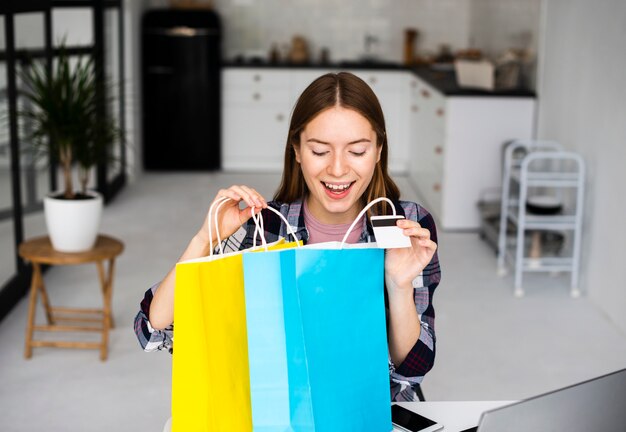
pixel 210 386
pixel 210 375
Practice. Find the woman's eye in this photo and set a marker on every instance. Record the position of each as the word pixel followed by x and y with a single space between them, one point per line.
pixel 358 153
pixel 318 153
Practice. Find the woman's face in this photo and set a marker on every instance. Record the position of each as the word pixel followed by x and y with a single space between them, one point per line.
pixel 337 154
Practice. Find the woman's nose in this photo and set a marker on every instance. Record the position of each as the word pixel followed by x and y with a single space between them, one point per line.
pixel 338 166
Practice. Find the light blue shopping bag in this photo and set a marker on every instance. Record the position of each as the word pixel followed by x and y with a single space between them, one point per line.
pixel 317 342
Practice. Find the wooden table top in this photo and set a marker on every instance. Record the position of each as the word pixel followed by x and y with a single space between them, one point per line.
pixel 39 250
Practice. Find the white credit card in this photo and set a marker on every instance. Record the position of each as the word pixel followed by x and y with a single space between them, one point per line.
pixel 388 235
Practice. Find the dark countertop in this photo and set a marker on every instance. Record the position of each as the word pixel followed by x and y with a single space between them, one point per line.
pixel 443 80
pixel 332 65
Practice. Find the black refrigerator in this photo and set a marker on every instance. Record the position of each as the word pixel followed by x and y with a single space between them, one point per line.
pixel 180 72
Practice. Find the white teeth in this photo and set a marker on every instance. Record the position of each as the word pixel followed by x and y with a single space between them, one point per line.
pixel 337 187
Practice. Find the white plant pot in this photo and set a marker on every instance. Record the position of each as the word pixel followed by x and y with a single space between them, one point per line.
pixel 73 224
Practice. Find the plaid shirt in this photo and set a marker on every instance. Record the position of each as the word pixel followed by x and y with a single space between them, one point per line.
pixel 402 377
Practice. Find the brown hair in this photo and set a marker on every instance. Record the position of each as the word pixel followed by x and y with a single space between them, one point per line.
pixel 347 91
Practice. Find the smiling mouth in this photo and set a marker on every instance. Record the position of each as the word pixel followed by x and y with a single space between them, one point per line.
pixel 337 188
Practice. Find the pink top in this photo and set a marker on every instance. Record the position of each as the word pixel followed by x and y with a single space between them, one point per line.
pixel 320 232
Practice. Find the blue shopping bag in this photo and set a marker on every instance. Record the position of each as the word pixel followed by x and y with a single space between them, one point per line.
pixel 317 342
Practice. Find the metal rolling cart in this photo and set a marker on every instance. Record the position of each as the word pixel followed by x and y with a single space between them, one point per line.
pixel 533 171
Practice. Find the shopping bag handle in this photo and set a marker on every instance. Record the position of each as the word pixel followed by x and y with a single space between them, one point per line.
pixel 260 229
pixel 377 200
pixel 258 221
pixel 219 202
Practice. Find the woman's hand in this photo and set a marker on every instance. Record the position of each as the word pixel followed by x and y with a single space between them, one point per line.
pixel 230 217
pixel 402 265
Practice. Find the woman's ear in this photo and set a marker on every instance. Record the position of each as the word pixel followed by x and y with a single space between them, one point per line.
pixel 380 149
pixel 296 150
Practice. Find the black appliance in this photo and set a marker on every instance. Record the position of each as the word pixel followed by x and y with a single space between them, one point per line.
pixel 181 56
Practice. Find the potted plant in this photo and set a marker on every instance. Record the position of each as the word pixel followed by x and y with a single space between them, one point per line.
pixel 63 111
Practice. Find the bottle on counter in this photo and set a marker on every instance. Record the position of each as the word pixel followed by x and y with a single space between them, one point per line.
pixel 410 41
pixel 274 55
pixel 324 55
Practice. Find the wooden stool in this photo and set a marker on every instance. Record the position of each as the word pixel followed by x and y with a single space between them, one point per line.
pixel 39 251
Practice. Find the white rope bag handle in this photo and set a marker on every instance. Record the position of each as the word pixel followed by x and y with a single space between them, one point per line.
pixel 260 229
pixel 258 222
pixel 219 202
pixel 377 200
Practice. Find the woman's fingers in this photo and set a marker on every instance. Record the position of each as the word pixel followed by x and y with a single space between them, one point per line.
pixel 229 217
pixel 413 229
pixel 227 193
pixel 419 236
pixel 255 198
pixel 243 193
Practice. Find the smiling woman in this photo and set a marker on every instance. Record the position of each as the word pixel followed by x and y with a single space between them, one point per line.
pixel 335 162
pixel 338 111
pixel 337 155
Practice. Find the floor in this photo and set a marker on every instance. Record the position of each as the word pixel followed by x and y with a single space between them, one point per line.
pixel 491 346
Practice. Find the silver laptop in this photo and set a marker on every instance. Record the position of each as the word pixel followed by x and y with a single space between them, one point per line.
pixel 598 404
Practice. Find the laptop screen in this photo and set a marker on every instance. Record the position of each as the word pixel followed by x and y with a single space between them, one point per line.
pixel 598 404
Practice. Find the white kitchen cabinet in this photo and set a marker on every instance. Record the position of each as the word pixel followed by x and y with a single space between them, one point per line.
pixel 456 149
pixel 257 105
pixel 427 109
pixel 391 89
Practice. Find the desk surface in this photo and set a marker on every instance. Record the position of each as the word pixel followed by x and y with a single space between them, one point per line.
pixel 454 416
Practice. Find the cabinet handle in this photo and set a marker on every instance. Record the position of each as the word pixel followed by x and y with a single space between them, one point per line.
pixel 425 93
pixel 438 150
pixel 257 78
pixel 414 108
pixel 440 112
pixel 373 80
pixel 280 117
pixel 437 187
pixel 256 96
pixel 413 84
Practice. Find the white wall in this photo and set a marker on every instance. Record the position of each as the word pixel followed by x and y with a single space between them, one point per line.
pixel 498 25
pixel 582 104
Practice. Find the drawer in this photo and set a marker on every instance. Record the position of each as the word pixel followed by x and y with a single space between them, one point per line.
pixel 256 78
pixel 382 80
pixel 430 189
pixel 428 103
pixel 258 97
pixel 428 156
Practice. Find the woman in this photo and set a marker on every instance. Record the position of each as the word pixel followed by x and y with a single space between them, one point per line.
pixel 335 163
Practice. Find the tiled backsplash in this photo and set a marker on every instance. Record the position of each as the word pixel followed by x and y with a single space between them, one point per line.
pixel 251 27
pixel 342 27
